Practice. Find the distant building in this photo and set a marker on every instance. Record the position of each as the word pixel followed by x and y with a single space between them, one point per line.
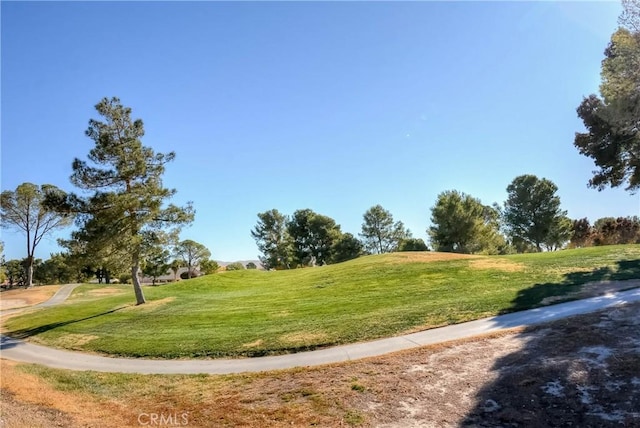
pixel 170 276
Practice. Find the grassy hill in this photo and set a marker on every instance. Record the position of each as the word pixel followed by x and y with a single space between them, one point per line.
pixel 251 313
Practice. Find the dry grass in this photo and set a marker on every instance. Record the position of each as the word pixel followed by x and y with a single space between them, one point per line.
pixel 427 256
pixel 106 291
pixel 496 264
pixel 253 344
pixel 303 338
pixel 16 414
pixel 39 401
pixel 150 305
pixel 26 297
pixel 75 341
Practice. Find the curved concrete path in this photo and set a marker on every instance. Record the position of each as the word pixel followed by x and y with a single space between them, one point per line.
pixel 60 296
pixel 30 353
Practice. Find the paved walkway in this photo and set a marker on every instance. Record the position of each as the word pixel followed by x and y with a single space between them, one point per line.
pixel 61 295
pixel 30 353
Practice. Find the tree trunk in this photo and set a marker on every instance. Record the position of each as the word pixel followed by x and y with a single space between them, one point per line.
pixel 137 288
pixel 29 271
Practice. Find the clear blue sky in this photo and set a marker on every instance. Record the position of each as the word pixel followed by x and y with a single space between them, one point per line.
pixel 330 106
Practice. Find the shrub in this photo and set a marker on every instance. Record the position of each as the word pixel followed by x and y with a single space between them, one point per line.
pixel 412 244
pixel 208 267
pixel 235 266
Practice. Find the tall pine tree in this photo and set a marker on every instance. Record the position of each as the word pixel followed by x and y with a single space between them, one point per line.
pixel 127 210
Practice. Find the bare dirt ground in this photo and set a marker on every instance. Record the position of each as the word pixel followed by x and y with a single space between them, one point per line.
pixel 18 298
pixel 578 372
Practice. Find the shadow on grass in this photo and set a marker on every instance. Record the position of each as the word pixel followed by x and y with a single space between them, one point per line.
pixel 573 284
pixel 28 332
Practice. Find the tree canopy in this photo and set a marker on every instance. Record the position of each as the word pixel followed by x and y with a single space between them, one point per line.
pixel 24 209
pixel 15 272
pixel 156 263
pixel 234 266
pixel 413 244
pixel 612 120
pixel 273 240
pixel 192 253
pixel 532 213
pixel 380 234
pixel 346 247
pixel 208 266
pixel 462 224
pixel 312 236
pixel 127 211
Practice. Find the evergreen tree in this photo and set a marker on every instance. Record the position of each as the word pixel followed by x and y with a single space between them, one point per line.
pixel 127 210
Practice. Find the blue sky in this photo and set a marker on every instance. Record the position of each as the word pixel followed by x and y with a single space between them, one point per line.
pixel 323 105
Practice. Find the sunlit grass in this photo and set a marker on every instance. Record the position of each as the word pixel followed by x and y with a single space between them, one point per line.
pixel 252 313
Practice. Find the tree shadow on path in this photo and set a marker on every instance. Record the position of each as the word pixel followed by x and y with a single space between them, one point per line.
pixel 578 284
pixel 577 372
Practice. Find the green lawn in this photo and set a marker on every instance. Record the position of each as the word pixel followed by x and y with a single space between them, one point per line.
pixel 252 313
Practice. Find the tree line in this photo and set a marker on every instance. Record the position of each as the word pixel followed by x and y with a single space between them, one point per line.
pixel 307 238
pixel 78 263
pixel 530 220
pixel 605 231
pixel 193 258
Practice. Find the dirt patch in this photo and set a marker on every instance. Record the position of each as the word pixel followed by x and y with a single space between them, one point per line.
pixel 16 414
pixel 593 289
pixel 11 299
pixel 253 344
pixel 496 264
pixel 583 371
pixel 427 256
pixel 12 303
pixel 150 305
